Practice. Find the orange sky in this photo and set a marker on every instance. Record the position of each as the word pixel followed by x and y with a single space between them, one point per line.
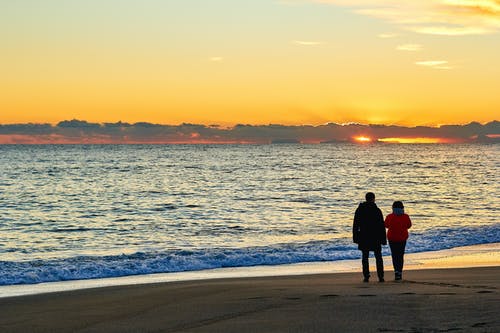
pixel 228 62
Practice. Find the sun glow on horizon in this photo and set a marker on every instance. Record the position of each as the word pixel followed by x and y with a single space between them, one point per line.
pixel 363 139
pixel 415 140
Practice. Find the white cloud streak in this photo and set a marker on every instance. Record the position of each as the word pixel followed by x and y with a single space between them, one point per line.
pixel 435 64
pixel 435 17
pixel 431 63
pixel 387 35
pixel 409 47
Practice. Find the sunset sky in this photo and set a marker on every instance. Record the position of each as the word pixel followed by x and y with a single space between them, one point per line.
pixel 421 62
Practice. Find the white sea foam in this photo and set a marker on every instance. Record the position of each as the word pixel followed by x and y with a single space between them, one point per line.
pixel 469 256
pixel 93 267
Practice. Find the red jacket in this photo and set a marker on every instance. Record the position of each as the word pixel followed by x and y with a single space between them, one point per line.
pixel 397 226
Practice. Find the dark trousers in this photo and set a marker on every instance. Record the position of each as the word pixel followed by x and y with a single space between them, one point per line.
pixel 378 259
pixel 397 253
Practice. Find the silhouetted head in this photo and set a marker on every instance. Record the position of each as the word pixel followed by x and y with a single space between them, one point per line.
pixel 370 197
pixel 398 208
pixel 397 204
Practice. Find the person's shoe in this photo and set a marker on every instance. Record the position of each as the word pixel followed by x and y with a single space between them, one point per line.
pixel 366 279
pixel 381 280
pixel 398 276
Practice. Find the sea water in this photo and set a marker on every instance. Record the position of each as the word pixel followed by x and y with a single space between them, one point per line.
pixel 72 212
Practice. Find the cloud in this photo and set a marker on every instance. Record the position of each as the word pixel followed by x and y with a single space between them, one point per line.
pixel 82 132
pixel 450 31
pixel 436 17
pixel 307 43
pixel 436 64
pixel 409 47
pixel 387 35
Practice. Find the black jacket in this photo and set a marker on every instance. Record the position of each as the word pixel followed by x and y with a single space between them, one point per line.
pixel 368 230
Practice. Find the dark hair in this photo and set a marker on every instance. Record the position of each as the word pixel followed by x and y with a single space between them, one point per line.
pixel 397 204
pixel 370 196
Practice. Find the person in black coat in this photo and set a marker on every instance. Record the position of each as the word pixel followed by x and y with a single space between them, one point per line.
pixel 368 231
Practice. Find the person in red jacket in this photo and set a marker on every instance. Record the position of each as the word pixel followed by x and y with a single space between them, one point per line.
pixel 397 224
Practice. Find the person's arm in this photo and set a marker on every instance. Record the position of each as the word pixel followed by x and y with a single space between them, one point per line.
pixel 355 227
pixel 383 236
pixel 408 222
pixel 387 221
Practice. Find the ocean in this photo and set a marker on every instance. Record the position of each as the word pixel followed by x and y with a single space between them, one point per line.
pixel 71 212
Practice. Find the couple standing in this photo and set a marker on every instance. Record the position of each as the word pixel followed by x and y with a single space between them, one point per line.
pixel 368 232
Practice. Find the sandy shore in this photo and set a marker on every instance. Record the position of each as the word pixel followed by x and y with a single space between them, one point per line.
pixel 437 300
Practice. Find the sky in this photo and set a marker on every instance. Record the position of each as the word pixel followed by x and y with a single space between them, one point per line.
pixel 227 62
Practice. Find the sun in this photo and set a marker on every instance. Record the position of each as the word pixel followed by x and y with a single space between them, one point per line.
pixel 362 139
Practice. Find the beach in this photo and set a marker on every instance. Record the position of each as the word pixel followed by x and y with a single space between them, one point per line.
pixel 461 300
pixel 217 166
pixel 262 245
pixel 428 300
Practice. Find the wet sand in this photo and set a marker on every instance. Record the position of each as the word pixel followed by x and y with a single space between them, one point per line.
pixel 436 300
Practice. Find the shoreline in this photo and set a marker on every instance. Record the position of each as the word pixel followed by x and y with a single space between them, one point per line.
pixel 482 255
pixel 427 300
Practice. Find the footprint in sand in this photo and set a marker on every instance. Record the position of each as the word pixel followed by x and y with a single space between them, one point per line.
pixel 485 292
pixel 257 297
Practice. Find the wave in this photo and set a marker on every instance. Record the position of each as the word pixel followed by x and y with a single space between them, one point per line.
pixel 78 229
pixel 92 267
